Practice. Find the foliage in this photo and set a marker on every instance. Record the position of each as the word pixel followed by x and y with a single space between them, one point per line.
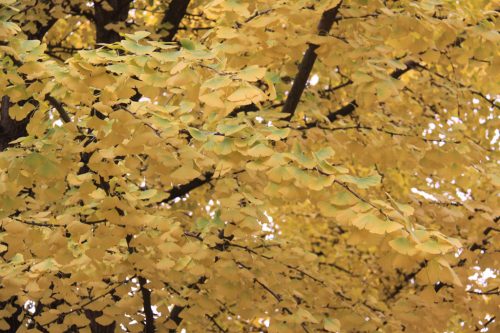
pixel 168 166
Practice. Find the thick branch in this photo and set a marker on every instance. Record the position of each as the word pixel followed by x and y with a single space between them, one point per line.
pixel 173 17
pixel 103 18
pixel 182 190
pixel 149 326
pixel 175 316
pixel 299 83
pixel 10 129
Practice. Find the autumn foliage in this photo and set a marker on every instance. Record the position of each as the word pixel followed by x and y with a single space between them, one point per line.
pixel 249 166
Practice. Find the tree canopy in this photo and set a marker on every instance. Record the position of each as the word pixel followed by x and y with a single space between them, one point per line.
pixel 249 166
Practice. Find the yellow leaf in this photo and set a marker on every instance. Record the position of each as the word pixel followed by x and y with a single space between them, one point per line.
pixel 331 325
pixel 104 320
pixel 251 73
pixel 305 316
pixel 185 172
pixel 434 247
pixel 260 150
pixel 403 246
pixel 246 95
pixel 213 99
pixel 375 225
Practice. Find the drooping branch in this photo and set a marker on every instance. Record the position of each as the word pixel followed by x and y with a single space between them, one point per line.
pixel 352 105
pixel 345 110
pixel 173 16
pixel 305 67
pixel 83 307
pixel 491 101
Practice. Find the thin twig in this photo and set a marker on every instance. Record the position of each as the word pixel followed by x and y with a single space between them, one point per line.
pixel 269 290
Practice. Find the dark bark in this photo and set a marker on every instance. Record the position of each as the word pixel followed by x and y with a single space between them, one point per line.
pixel 406 280
pixel 182 190
pixel 41 30
pixel 149 325
pixel 305 67
pixel 96 327
pixel 102 18
pixel 105 34
pixel 13 321
pixel 343 111
pixel 43 20
pixel 59 108
pixel 10 129
pixel 399 72
pixel 173 17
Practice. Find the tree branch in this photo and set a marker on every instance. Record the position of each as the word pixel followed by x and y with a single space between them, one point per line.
pixel 10 129
pixel 212 319
pixel 407 278
pixel 182 190
pixel 149 326
pixel 175 317
pixel 269 290
pixel 103 17
pixel 352 105
pixel 176 11
pixel 305 67
pixel 60 109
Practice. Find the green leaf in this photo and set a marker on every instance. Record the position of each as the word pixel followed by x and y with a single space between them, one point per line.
pixel 361 182
pixel 245 95
pixel 228 129
pixel 324 153
pixel 331 325
pixel 277 134
pixel 138 35
pixel 119 68
pixel 197 134
pixel 251 73
pixel 43 166
pixel 376 225
pixel 44 266
pixel 434 247
pixel 403 246
pixel 188 44
pixel 260 150
pixel 147 194
pixel 137 48
pixel 29 45
pixel 217 82
pixel 343 198
pixel 217 220
pixel 301 158
pixel 202 223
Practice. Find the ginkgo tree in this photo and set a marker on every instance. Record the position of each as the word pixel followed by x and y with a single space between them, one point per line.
pixel 249 166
